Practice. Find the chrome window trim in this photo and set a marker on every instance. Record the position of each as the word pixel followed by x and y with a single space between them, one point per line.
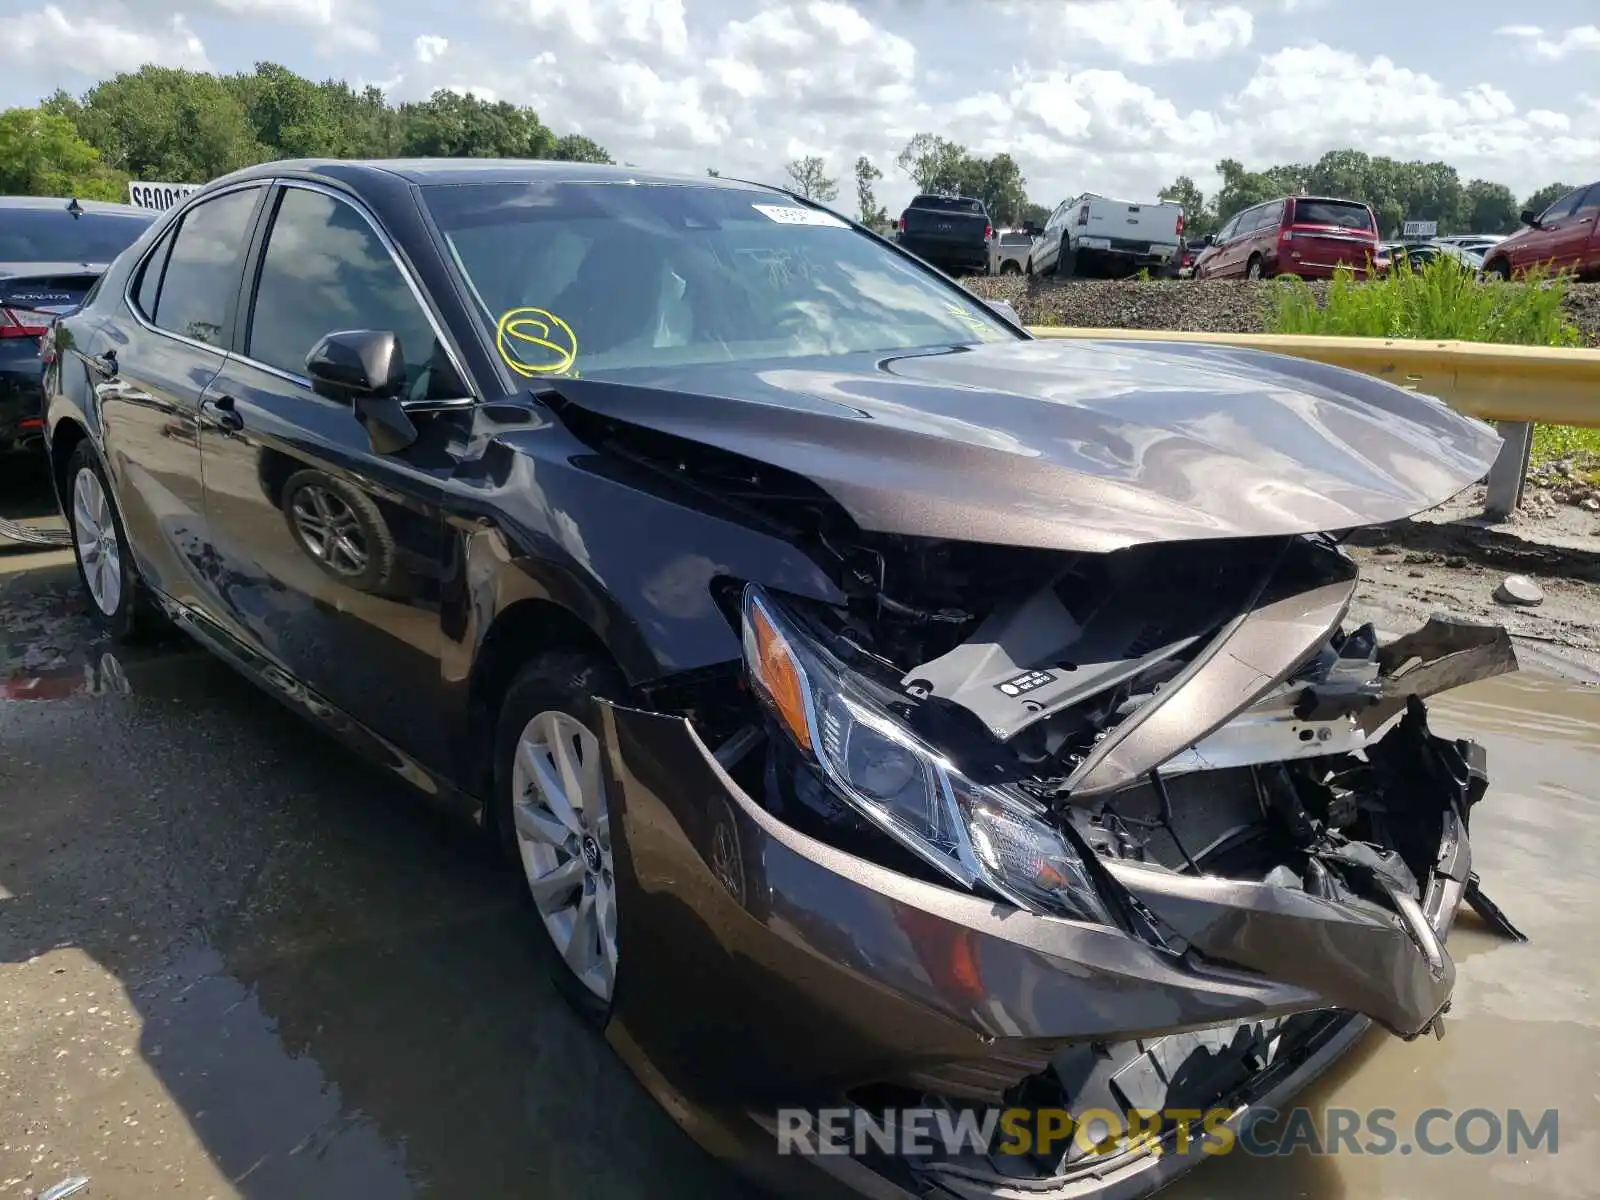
pixel 405 274
pixel 172 224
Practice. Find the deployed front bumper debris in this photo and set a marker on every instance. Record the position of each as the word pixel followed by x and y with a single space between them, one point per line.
pixel 766 968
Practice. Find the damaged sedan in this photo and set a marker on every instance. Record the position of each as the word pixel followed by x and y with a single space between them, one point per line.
pixel 887 709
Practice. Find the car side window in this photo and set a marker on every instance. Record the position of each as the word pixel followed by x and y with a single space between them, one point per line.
pixel 1271 216
pixel 201 278
pixel 1252 220
pixel 1590 201
pixel 1563 207
pixel 150 277
pixel 324 269
pixel 1225 232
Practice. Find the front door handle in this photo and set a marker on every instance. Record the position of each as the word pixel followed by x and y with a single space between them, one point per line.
pixel 227 416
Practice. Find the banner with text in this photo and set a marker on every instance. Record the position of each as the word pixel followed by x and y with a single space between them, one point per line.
pixel 159 196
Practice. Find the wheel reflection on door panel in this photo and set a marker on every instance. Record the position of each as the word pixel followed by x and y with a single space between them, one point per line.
pixel 340 529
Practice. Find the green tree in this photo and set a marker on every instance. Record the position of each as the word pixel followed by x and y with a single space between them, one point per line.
pixel 997 181
pixel 1347 174
pixel 1546 196
pixel 41 154
pixel 1035 214
pixel 809 177
pixel 575 147
pixel 1242 189
pixel 932 162
pixel 168 124
pixel 290 116
pixel 451 125
pixel 869 211
pixel 1197 219
pixel 1488 208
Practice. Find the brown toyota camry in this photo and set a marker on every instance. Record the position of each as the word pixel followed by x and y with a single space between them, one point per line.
pixel 892 713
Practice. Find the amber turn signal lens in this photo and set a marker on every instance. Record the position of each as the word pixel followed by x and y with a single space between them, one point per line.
pixel 779 674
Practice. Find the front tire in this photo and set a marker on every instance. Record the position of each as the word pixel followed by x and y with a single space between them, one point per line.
pixel 1501 270
pixel 100 545
pixel 551 815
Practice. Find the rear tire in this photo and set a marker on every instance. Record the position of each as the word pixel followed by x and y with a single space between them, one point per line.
pixel 1067 264
pixel 561 833
pixel 1254 270
pixel 1010 267
pixel 100 545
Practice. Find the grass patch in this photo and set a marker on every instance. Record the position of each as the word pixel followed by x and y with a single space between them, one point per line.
pixel 1553 443
pixel 1446 300
pixel 1443 300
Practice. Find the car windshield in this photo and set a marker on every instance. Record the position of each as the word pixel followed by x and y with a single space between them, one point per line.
pixel 47 235
pixel 1343 213
pixel 590 277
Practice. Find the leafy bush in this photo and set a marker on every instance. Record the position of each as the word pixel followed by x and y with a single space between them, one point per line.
pixel 1445 299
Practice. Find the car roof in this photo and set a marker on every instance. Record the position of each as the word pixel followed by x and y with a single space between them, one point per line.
pixel 482 170
pixel 60 203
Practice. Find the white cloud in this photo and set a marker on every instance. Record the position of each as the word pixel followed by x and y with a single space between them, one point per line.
pixel 1581 39
pixel 658 24
pixel 96 45
pixel 340 27
pixel 1145 32
pixel 1117 96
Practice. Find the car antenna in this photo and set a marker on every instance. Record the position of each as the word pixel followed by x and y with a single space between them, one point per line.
pixel 75 208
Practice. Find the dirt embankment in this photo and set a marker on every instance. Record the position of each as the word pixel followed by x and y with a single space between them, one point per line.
pixel 1209 306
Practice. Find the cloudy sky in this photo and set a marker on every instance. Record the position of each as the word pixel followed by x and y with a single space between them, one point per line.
pixel 1115 96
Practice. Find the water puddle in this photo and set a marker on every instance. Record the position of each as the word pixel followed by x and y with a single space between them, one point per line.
pixel 1524 1030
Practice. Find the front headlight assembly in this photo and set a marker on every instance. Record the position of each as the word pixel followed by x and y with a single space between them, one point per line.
pixel 977 835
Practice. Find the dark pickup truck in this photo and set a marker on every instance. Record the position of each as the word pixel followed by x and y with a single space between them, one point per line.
pixel 951 232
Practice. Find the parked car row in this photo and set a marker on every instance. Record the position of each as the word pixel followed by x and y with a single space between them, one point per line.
pixel 51 253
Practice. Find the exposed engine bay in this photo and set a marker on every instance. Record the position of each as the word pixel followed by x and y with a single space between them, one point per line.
pixel 1196 707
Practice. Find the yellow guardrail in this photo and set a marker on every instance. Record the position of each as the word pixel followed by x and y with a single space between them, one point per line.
pixel 1544 385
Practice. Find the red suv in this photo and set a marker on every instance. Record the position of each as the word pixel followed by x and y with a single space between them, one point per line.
pixel 1564 237
pixel 1299 235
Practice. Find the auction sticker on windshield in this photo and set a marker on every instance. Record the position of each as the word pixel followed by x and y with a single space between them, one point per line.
pixel 784 214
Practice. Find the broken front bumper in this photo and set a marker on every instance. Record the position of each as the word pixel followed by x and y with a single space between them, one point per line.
pixel 765 969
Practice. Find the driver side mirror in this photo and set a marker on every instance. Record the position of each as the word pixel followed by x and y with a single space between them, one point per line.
pixel 1210 239
pixel 366 368
pixel 1529 217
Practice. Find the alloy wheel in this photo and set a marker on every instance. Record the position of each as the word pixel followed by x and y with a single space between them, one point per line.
pixel 330 530
pixel 94 531
pixel 563 832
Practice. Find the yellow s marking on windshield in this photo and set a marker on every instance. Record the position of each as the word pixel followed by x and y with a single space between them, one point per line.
pixel 534 341
pixel 972 320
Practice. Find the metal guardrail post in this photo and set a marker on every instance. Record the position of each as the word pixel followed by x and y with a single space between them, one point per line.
pixel 1509 474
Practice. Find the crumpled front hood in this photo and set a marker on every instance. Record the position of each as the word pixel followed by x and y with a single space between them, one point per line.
pixel 1072 445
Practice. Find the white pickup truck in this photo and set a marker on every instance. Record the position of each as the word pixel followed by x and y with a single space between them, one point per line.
pixel 1091 234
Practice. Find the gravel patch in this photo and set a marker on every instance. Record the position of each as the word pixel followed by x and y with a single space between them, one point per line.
pixel 1207 306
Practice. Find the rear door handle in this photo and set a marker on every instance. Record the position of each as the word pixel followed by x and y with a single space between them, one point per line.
pixel 227 417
